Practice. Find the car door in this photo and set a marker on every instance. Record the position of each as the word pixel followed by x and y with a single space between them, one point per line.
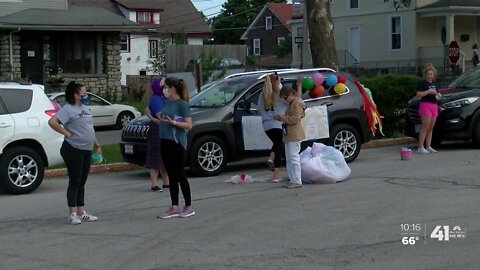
pixel 7 124
pixel 102 111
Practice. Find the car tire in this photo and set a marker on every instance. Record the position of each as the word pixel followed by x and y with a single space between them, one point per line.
pixel 345 138
pixel 123 119
pixel 208 156
pixel 21 170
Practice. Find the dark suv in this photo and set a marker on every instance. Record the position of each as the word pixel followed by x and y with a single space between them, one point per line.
pixel 459 111
pixel 223 131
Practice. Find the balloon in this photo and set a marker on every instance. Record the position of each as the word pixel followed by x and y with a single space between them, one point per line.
pixel 97 158
pixel 307 83
pixel 331 80
pixel 340 88
pixel 317 91
pixel 341 78
pixel 318 78
pixel 156 104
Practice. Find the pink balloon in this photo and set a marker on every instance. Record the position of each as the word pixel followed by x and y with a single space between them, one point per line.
pixel 318 78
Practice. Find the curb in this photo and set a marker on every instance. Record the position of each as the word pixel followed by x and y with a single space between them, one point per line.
pixel 119 167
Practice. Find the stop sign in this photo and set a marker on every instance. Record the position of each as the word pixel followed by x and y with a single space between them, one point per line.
pixel 453 52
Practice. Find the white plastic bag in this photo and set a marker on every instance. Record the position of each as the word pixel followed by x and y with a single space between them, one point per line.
pixel 322 163
pixel 241 179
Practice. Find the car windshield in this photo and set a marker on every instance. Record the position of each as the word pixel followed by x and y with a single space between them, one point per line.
pixel 470 79
pixel 217 94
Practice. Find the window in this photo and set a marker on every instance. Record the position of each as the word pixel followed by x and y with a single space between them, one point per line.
pixel 17 100
pixel 256 46
pixel 353 4
pixel 268 23
pixel 153 48
pixel 396 33
pixel 144 17
pixel 77 52
pixel 125 43
pixel 280 40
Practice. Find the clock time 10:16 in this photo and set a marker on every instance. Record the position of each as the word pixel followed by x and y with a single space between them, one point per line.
pixel 411 227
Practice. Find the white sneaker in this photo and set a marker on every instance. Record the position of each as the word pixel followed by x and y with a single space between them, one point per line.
pixel 73 219
pixel 87 217
pixel 431 150
pixel 422 150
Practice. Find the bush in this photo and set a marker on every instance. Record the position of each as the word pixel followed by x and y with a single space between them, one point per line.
pixel 391 94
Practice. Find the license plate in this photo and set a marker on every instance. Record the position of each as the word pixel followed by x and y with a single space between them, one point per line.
pixel 418 127
pixel 128 149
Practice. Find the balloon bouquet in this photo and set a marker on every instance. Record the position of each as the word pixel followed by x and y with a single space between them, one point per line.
pixel 317 84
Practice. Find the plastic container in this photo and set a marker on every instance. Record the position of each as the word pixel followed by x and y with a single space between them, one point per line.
pixel 406 153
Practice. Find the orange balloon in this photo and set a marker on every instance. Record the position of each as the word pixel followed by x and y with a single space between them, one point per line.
pixel 340 88
pixel 318 90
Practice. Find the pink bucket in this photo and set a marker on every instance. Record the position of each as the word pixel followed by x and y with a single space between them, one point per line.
pixel 406 154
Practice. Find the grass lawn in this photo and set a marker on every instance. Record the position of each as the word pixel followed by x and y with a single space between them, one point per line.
pixel 111 154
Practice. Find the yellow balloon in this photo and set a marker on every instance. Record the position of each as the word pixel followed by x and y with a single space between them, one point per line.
pixel 340 88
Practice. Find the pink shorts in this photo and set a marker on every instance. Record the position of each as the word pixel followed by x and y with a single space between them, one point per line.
pixel 428 109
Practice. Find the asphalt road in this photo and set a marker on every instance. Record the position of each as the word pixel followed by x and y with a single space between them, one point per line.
pixel 108 135
pixel 351 225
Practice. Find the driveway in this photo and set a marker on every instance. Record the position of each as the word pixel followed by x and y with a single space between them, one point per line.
pixel 351 225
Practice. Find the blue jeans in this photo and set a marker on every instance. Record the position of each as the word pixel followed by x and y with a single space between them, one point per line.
pixel 292 154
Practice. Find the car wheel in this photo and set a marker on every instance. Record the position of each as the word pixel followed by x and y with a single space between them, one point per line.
pixel 124 118
pixel 21 170
pixel 208 156
pixel 346 139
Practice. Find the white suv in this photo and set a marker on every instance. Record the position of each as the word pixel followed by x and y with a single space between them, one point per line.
pixel 27 143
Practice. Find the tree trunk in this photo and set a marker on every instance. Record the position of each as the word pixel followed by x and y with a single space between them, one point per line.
pixel 322 42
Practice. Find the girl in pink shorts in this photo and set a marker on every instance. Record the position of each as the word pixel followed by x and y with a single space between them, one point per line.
pixel 428 109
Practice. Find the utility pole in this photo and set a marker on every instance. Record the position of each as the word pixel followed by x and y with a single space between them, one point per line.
pixel 305 38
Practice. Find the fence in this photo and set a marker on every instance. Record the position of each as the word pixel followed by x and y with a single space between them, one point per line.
pixel 178 55
pixel 138 87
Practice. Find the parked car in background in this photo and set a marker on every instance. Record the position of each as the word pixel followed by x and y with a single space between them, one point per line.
pixel 459 111
pixel 221 133
pixel 27 143
pixel 104 112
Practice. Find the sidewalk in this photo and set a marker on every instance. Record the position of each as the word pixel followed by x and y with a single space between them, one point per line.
pixel 117 167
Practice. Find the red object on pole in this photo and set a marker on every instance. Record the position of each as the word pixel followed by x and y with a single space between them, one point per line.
pixel 453 52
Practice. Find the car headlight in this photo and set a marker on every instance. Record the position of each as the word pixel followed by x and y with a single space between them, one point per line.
pixel 459 103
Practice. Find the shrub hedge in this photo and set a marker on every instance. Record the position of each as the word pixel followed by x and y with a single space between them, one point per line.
pixel 391 94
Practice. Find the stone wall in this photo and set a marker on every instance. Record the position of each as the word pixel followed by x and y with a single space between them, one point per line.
pixel 5 68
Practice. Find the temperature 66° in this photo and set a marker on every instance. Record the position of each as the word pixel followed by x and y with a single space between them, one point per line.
pixel 409 240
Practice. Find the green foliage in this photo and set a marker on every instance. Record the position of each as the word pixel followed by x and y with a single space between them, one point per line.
pixel 158 64
pixel 234 19
pixel 138 93
pixel 284 48
pixel 180 38
pixel 111 153
pixel 251 60
pixel 391 94
pixel 397 4
pixel 208 64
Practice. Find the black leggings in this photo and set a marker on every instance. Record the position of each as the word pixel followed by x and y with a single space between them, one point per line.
pixel 276 136
pixel 78 167
pixel 173 156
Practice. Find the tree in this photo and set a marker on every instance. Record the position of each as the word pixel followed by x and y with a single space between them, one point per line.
pixel 322 42
pixel 234 19
pixel 158 64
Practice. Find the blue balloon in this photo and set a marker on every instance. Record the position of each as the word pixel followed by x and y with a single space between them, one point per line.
pixel 331 80
pixel 156 104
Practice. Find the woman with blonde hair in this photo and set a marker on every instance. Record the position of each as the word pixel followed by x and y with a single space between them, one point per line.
pixel 428 109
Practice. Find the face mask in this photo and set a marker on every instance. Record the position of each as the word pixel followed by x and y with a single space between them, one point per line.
pixel 165 92
pixel 84 99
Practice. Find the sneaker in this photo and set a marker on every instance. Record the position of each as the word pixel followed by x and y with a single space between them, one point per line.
pixel 422 150
pixel 431 150
pixel 165 186
pixel 87 217
pixel 73 219
pixel 187 212
pixel 156 188
pixel 292 186
pixel 171 212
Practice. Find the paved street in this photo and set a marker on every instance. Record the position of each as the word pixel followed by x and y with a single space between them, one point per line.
pixel 349 225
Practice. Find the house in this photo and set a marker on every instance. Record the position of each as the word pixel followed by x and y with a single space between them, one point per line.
pixel 269 29
pixel 161 18
pixel 371 34
pixel 52 40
